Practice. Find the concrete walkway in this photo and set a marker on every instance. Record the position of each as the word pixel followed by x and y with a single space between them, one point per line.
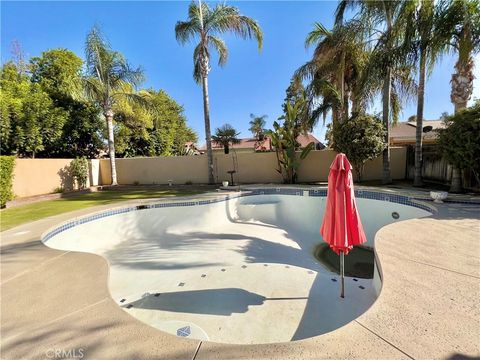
pixel 57 302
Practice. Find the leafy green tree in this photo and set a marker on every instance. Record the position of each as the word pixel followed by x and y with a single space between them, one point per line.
pixel 226 135
pixel 284 140
pixel 297 95
pixel 29 120
pixel 207 23
pixel 110 79
pixel 361 138
pixel 58 72
pixel 131 131
pixel 170 125
pixel 459 141
pixel 257 126
pixel 160 131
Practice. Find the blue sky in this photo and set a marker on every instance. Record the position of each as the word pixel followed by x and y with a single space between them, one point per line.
pixel 251 82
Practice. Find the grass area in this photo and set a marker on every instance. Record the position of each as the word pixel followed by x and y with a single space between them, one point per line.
pixel 30 212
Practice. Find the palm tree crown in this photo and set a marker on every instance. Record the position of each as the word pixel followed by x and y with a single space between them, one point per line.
pixel 207 23
pixel 109 76
pixel 257 126
pixel 226 135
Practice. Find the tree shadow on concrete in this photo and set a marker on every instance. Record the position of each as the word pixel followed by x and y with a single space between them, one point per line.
pixel 458 356
pixel 223 302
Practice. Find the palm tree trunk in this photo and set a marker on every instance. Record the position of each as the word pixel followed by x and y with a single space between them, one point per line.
pixel 462 88
pixel 417 181
pixel 386 177
pixel 208 135
pixel 111 145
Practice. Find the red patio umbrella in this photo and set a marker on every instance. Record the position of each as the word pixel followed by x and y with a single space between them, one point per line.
pixel 342 227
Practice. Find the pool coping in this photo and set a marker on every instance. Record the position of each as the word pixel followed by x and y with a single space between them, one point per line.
pixel 248 191
pixel 361 331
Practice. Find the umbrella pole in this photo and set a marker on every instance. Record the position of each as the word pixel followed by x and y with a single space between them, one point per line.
pixel 342 273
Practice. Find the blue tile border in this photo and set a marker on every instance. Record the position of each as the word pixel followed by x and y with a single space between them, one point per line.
pixel 360 193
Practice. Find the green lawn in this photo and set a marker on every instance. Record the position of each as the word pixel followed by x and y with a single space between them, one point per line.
pixel 30 212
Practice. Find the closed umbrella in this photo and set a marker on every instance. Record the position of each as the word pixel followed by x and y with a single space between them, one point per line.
pixel 341 227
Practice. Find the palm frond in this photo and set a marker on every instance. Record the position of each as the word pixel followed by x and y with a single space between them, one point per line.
pixel 186 31
pixel 93 90
pixel 317 34
pixel 224 18
pixel 220 47
pixel 199 52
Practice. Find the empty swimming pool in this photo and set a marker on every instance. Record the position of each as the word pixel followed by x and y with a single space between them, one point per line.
pixel 232 270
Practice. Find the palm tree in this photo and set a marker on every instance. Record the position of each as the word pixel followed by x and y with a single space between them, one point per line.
pixel 334 69
pixel 461 25
pixel 389 14
pixel 207 23
pixel 226 135
pixel 257 126
pixel 426 43
pixel 109 79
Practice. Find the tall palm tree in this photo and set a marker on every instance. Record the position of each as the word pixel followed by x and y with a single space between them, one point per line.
pixel 461 24
pixel 426 43
pixel 109 79
pixel 206 24
pixel 389 15
pixel 226 135
pixel 257 126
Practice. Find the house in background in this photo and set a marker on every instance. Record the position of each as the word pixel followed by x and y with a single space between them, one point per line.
pixel 248 145
pixel 434 168
pixel 404 133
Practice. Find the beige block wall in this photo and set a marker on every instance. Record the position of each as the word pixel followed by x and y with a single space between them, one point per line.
pixel 398 157
pixel 157 170
pixel 251 167
pixel 41 176
pixel 315 166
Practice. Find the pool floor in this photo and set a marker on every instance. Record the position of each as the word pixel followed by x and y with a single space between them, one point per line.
pixel 231 287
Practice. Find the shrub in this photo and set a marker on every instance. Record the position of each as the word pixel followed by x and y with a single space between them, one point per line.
pixel 361 138
pixel 79 170
pixel 188 182
pixel 284 139
pixel 459 142
pixel 7 164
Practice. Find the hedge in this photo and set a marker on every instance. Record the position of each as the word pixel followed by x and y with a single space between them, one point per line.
pixel 7 164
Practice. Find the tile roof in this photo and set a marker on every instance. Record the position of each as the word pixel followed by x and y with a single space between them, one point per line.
pixel 265 145
pixel 405 131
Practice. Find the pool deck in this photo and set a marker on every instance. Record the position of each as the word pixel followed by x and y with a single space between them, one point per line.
pixel 429 306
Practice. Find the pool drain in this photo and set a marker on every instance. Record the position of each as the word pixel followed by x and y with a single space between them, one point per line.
pixel 184 331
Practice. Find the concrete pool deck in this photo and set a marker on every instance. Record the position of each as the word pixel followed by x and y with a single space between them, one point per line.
pixel 429 306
